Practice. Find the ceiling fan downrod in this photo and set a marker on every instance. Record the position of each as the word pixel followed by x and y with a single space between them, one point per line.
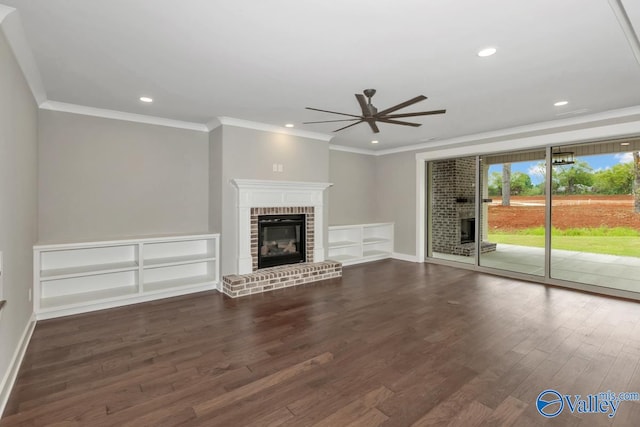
pixel 369 94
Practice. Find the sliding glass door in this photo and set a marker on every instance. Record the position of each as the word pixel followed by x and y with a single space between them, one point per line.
pixel 493 211
pixel 595 215
pixel 513 212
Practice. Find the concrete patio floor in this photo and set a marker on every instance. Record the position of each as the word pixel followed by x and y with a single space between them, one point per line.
pixel 612 271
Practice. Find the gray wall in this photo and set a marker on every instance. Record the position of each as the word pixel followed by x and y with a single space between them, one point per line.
pixel 18 202
pixel 103 178
pixel 396 198
pixel 250 154
pixel 215 180
pixel 352 198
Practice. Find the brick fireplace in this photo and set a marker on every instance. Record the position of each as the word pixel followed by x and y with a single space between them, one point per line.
pixel 453 207
pixel 309 215
pixel 266 197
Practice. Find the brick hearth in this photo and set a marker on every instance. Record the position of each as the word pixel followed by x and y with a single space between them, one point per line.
pixel 284 276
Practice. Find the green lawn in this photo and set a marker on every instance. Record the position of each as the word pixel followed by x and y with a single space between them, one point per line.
pixel 611 241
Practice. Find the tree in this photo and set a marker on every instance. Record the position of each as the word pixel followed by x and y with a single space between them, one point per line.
pixel 574 179
pixel 506 184
pixel 636 181
pixel 520 183
pixel 617 179
pixel 495 184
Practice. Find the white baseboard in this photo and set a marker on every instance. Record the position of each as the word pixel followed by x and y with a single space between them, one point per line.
pixel 404 257
pixel 12 373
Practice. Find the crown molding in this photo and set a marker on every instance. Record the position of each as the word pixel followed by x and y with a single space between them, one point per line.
pixel 230 121
pixel 120 115
pixel 347 149
pixel 213 124
pixel 17 40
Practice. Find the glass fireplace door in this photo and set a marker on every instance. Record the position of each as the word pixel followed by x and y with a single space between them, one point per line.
pixel 281 240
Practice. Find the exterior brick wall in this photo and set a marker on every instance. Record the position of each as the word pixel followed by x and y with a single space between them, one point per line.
pixel 453 199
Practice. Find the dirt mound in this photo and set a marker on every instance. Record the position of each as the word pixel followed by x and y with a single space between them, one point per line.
pixel 567 212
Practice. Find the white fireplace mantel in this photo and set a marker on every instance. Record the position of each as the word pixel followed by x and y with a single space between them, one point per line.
pixel 253 193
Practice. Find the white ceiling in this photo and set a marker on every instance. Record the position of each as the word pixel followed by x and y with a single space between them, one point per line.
pixel 264 61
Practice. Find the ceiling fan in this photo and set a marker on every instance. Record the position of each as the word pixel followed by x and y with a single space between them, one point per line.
pixel 371 115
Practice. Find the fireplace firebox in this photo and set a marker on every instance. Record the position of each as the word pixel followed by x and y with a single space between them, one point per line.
pixel 467 230
pixel 281 240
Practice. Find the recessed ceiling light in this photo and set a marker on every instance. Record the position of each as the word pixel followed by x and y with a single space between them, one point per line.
pixel 560 103
pixel 289 125
pixel 375 141
pixel 146 99
pixel 625 143
pixel 487 51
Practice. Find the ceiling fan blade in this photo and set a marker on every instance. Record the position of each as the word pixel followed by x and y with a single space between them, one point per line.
pixel 348 126
pixel 403 105
pixel 332 112
pixel 398 122
pixel 363 105
pixel 331 121
pixel 373 125
pixel 421 113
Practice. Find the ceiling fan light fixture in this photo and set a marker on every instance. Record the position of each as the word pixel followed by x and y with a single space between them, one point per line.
pixel 488 51
pixel 375 141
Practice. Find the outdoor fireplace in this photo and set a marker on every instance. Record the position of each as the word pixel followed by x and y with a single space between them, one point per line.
pixel 281 240
pixel 467 230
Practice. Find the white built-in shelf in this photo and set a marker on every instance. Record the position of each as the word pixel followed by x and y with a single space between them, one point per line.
pixel 374 240
pixel 79 277
pixel 343 258
pixel 87 270
pixel 177 260
pixel 177 283
pixel 82 298
pixel 376 254
pixel 343 244
pixel 353 244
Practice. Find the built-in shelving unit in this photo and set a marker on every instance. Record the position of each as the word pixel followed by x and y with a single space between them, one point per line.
pixel 79 277
pixel 353 244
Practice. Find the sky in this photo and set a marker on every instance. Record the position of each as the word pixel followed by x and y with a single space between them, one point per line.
pixel 599 162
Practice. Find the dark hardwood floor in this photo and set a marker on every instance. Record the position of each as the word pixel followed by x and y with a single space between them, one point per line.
pixel 391 343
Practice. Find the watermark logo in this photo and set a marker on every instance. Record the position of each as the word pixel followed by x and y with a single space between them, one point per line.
pixel 550 403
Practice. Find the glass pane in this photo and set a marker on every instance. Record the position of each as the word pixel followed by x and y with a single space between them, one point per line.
pixel 452 209
pixel 513 212
pixel 595 217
